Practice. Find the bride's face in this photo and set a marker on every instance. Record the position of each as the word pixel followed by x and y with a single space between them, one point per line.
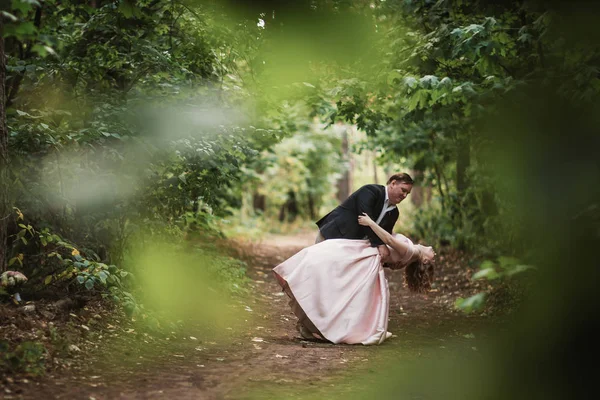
pixel 428 254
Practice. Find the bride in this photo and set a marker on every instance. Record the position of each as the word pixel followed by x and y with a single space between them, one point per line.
pixel 338 290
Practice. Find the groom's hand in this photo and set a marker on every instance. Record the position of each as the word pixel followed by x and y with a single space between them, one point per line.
pixel 384 252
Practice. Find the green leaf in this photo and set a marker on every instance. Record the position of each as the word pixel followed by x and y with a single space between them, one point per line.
pixel 80 279
pixel 429 81
pixel 102 275
pixel 24 5
pixel 43 51
pixel 410 82
pixel 419 99
pixel 128 9
pixel 9 16
pixel 470 304
pixel 20 31
pixel 517 269
pixel 506 262
pixel 525 38
pixel 457 32
pixel 12 261
pixel 48 280
pixel 489 273
pixel 437 95
pixel 446 82
pixel 89 284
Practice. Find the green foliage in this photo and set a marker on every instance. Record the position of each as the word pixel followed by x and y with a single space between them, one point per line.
pixel 449 65
pixel 444 67
pixel 26 357
pixel 505 268
pixel 185 281
pixel 306 165
pixel 470 304
pixel 229 273
pixel 159 118
pixel 48 259
pixel 434 225
pixel 133 122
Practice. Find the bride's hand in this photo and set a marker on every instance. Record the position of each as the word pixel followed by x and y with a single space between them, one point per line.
pixel 364 220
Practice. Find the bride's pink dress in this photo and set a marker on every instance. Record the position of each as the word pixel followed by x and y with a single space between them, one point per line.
pixel 338 290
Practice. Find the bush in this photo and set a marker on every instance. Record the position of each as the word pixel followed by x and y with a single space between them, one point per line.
pixel 507 291
pixel 27 357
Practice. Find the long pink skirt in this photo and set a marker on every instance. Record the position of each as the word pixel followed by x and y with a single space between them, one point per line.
pixel 338 290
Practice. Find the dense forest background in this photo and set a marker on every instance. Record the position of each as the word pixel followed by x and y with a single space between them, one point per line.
pixel 127 125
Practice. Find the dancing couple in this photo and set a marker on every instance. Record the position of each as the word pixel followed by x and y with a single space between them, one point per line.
pixel 337 287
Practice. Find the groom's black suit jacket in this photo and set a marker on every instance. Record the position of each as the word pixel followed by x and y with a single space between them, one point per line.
pixel 342 221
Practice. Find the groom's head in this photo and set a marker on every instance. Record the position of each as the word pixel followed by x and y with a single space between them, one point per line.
pixel 398 187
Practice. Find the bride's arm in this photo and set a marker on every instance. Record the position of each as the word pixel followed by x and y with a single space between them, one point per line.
pixel 400 246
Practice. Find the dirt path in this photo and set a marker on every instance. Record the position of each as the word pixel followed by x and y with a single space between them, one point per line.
pixel 262 357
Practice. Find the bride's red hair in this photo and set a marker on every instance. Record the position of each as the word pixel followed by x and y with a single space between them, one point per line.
pixel 418 277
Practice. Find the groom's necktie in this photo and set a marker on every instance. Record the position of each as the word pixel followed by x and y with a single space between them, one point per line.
pixel 384 210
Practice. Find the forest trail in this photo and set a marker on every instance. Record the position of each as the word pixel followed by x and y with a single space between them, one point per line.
pixel 264 357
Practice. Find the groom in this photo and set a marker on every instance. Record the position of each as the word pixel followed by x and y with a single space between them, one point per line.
pixel 378 201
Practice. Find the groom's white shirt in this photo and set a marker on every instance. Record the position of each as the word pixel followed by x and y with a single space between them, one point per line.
pixel 386 207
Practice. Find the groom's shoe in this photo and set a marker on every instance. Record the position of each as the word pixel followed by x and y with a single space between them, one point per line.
pixel 304 332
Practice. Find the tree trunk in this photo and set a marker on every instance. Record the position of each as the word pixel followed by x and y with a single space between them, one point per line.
pixel 343 184
pixel 375 177
pixel 312 212
pixel 417 194
pixel 289 210
pixel 463 160
pixel 389 171
pixel 4 206
pixel 459 210
pixel 438 175
pixel 259 202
